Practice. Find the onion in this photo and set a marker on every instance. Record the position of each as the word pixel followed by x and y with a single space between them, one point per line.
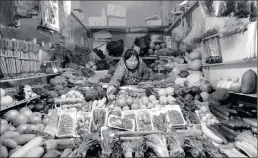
pixel 20 119
pixel 34 119
pixel 11 115
pixel 45 120
pixel 31 129
pixel 3 121
pixel 22 128
pixel 37 114
pixel 26 111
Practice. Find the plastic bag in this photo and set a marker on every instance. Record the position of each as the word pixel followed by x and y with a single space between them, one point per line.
pixel 194 36
pixel 218 8
pixel 180 31
pixel 67 7
pixel 115 48
pixel 206 7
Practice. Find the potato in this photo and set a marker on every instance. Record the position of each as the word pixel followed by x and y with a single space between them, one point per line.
pixel 4 152
pixel 10 143
pixel 9 134
pixel 24 138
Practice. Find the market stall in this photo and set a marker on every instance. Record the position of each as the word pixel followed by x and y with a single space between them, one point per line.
pixel 178 110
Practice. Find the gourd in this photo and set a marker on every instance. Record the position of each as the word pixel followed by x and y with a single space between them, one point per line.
pixel 194 65
pixel 248 82
pixel 195 55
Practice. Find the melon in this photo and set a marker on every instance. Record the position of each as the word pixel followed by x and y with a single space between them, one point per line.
pixel 248 82
pixel 195 55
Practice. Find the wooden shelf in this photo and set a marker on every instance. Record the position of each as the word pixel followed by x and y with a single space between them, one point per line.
pixel 30 77
pixel 231 62
pixel 192 7
pixel 16 103
pixel 130 29
pixel 249 95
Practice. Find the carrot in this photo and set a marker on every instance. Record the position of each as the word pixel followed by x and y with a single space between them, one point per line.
pixel 27 147
pixel 36 151
pixel 24 138
pixel 135 133
pixel 10 143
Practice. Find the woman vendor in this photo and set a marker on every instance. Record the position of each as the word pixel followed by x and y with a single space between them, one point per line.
pixel 130 71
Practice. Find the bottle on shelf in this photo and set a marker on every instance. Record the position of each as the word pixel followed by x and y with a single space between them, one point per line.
pixel 220 83
pixel 229 81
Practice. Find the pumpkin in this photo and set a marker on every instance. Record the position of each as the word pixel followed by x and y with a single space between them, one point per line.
pixel 5 100
pixel 195 55
pixel 248 82
pixel 194 65
pixel 2 92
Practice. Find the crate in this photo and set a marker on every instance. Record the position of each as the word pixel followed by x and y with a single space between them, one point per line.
pixel 19 58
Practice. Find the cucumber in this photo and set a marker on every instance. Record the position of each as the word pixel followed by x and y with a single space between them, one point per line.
pixel 228 123
pixel 228 136
pixel 221 109
pixel 225 128
pixel 250 121
pixel 220 115
pixel 217 133
pixel 230 110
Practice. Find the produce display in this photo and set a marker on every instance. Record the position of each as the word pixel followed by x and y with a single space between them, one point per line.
pixel 174 112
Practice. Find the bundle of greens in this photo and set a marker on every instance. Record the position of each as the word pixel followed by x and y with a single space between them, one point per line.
pixel 90 142
pixel 210 149
pixel 106 144
pixel 157 142
pixel 174 145
pixel 137 147
pixel 193 147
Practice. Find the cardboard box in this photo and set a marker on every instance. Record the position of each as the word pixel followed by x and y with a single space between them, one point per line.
pixel 116 10
pixel 97 21
pixel 154 21
pixel 115 21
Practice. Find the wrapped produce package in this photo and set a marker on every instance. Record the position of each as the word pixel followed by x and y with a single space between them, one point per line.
pixel 180 31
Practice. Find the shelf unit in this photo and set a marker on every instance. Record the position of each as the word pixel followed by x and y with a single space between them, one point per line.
pixel 129 29
pixel 231 62
pixel 248 95
pixel 16 103
pixel 191 8
pixel 30 77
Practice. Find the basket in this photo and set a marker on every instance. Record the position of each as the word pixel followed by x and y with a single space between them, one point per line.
pixel 18 58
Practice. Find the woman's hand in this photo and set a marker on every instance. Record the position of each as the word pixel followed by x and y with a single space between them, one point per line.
pixel 110 92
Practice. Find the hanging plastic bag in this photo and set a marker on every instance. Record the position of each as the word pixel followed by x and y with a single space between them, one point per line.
pixel 67 7
pixel 206 7
pixel 218 8
pixel 193 37
pixel 180 31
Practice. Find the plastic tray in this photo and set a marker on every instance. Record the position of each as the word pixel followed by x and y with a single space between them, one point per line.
pixel 177 108
pixel 131 114
pixel 92 118
pixel 157 112
pixel 72 114
pixel 82 117
pixel 121 118
pixel 137 118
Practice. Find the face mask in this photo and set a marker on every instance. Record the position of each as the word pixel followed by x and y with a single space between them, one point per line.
pixel 132 62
